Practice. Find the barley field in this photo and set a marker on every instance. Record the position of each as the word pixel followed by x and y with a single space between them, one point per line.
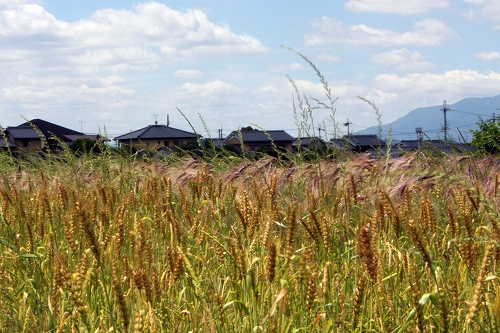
pixel 348 245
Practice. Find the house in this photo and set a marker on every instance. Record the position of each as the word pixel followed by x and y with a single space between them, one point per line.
pixel 447 147
pixel 7 141
pixel 55 135
pixel 358 143
pixel 33 135
pixel 308 143
pixel 157 136
pixel 22 139
pixel 255 140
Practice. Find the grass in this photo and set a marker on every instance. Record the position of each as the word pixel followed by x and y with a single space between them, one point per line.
pixel 352 245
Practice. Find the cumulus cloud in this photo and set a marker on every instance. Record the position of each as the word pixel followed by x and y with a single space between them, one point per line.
pixel 428 32
pixel 29 19
pixel 488 9
pixel 210 89
pixel 407 7
pixel 152 32
pixel 18 2
pixel 155 25
pixel 452 85
pixel 488 56
pixel 403 60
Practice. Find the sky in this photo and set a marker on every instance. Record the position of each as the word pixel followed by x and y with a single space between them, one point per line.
pixel 117 66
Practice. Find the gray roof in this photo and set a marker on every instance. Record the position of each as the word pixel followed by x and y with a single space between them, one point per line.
pixel 364 140
pixel 50 129
pixel 22 132
pixel 445 146
pixel 152 132
pixel 5 141
pixel 306 141
pixel 261 136
pixel 342 143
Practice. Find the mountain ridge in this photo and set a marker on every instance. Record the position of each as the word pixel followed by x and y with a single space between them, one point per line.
pixel 462 117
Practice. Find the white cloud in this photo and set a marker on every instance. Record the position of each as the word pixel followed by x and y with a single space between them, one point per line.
pixel 154 25
pixel 488 9
pixel 209 89
pixel 152 33
pixel 403 60
pixel 420 88
pixel 426 32
pixel 18 2
pixel 406 7
pixel 488 56
pixel 29 19
pixel 188 73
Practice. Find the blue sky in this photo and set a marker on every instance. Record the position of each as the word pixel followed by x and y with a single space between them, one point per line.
pixel 117 66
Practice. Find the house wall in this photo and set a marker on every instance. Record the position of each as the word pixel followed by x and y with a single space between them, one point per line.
pixel 27 145
pixel 170 143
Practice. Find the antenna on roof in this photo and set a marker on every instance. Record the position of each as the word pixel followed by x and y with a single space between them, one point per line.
pixel 156 119
pixel 220 132
pixel 168 121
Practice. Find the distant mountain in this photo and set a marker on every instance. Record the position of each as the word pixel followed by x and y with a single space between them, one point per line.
pixel 461 118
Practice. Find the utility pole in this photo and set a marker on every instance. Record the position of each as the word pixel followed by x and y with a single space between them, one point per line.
pixel 445 127
pixel 347 124
pixel 81 125
pixel 219 131
pixel 319 131
pixel 419 132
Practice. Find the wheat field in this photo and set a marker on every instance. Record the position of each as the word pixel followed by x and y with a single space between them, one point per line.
pixel 348 245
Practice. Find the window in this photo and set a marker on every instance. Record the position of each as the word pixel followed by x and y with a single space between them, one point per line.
pixel 165 143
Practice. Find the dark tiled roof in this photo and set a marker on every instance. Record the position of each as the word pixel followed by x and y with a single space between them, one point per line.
pixel 5 141
pixel 8 143
pixel 261 136
pixel 305 141
pixel 156 132
pixel 22 132
pixel 342 143
pixel 441 145
pixel 49 129
pixel 365 140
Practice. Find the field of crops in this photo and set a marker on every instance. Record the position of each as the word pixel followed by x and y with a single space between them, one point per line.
pixel 349 245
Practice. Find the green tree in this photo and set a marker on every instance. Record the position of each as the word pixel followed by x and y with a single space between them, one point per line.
pixel 85 146
pixel 487 138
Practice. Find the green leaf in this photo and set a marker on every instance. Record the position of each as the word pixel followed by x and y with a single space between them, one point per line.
pixel 9 245
pixel 433 297
pixel 28 255
pixel 237 304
